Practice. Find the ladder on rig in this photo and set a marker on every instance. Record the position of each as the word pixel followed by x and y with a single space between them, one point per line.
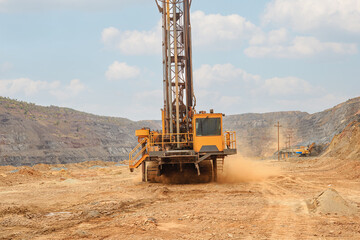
pixel 139 154
pixel 220 165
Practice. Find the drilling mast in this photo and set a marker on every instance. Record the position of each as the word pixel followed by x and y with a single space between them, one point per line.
pixel 179 99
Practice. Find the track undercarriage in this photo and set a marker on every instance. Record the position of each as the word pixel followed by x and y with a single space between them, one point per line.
pixel 180 173
pixel 183 166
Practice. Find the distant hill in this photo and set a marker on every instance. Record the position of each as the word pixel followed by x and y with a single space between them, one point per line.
pixel 31 134
pixel 346 145
pixel 257 135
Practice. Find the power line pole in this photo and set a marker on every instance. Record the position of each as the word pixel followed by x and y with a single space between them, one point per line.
pixel 289 139
pixel 278 127
pixel 290 133
pixel 289 136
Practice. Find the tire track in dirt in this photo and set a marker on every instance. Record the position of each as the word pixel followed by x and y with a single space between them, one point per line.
pixel 284 207
pixel 109 205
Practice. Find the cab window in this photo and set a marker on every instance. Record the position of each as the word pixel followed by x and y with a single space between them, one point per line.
pixel 208 127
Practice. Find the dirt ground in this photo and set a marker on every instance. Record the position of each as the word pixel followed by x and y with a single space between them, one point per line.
pixel 98 200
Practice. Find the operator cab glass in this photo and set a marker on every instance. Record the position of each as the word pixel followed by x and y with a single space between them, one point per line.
pixel 208 127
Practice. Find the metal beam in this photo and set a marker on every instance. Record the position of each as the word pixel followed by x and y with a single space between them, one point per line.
pixel 176 74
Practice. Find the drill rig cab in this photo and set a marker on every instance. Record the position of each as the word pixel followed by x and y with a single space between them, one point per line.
pixel 188 140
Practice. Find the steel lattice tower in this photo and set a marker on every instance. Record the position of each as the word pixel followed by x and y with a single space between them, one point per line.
pixel 179 100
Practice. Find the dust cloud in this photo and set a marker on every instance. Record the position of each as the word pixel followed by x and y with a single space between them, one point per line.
pixel 240 169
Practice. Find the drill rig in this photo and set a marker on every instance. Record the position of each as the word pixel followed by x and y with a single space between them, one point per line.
pixel 188 140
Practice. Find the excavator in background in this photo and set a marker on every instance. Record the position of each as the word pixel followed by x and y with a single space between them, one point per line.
pixel 300 151
pixel 189 142
pixel 304 151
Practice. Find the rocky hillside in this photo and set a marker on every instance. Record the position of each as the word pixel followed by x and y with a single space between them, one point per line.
pixel 257 135
pixel 346 145
pixel 31 134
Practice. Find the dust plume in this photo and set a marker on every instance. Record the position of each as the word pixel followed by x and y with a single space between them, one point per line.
pixel 137 178
pixel 239 169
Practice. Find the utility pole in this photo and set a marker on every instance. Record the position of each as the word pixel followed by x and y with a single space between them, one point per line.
pixel 289 140
pixel 278 127
pixel 289 136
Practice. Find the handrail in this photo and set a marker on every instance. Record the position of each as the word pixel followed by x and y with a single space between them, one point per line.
pixel 171 138
pixel 230 139
pixel 133 159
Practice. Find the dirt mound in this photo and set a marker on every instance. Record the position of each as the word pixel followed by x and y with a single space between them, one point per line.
pixel 346 145
pixel 18 210
pixel 29 172
pixel 3 180
pixel 20 175
pixel 41 167
pixel 330 202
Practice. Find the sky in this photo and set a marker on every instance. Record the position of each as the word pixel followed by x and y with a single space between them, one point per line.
pixel 104 57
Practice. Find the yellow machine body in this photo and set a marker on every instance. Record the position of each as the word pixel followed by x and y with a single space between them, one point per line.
pixel 208 133
pixel 142 133
pixel 187 139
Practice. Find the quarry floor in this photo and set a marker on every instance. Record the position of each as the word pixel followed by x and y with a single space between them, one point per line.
pixel 97 200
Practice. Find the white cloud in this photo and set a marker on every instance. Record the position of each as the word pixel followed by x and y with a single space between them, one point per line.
pixel 44 5
pixel 25 86
pixel 146 103
pixel 152 94
pixel 110 36
pixel 222 87
pixel 132 42
pixel 217 28
pixel 277 36
pixel 305 15
pixel 228 102
pixel 212 29
pixel 288 86
pixel 28 87
pixel 203 93
pixel 300 47
pixel 227 31
pixel 6 66
pixel 273 37
pixel 312 104
pixel 217 100
pixel 211 80
pixel 226 91
pixel 72 90
pixel 75 86
pixel 121 71
pixel 208 75
pixel 219 31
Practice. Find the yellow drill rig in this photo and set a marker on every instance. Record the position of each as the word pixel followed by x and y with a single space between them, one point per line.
pixel 189 141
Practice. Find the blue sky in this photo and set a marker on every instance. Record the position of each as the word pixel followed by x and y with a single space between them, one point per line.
pixel 104 57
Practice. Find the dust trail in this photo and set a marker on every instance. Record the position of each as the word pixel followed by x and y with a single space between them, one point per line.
pixel 239 169
pixel 137 178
